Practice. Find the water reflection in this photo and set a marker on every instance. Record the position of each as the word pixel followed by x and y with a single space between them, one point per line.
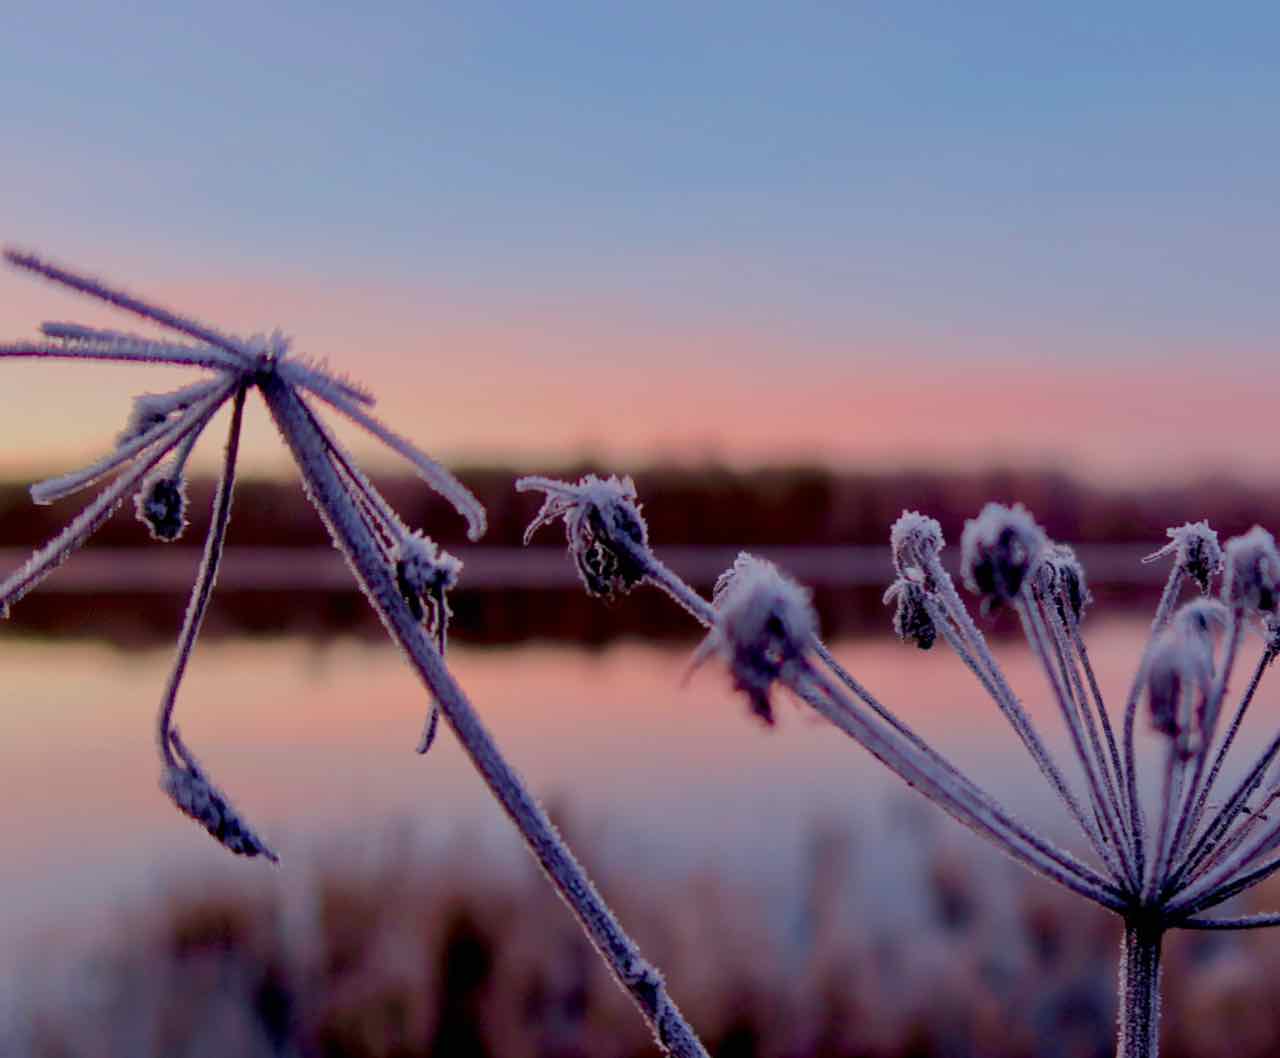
pixel 314 741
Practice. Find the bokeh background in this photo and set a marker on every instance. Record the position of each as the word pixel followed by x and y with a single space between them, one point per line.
pixel 795 268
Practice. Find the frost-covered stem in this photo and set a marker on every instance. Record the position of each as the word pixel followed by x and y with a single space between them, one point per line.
pixel 205 580
pixel 1113 748
pixel 1033 628
pixel 984 799
pixel 1220 823
pixel 1137 826
pixel 958 613
pixel 377 513
pixel 1235 838
pixel 995 822
pixel 1139 1028
pixel 968 642
pixel 1202 800
pixel 952 792
pixel 1196 797
pixel 125 350
pixel 339 513
pixel 121 300
pixel 59 549
pixel 983 659
pixel 859 691
pixel 1171 791
pixel 428 469
pixel 52 489
pixel 1264 920
pixel 1112 803
pixel 1225 883
pixel 953 636
pixel 662 576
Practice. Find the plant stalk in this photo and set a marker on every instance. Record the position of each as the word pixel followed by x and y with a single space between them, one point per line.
pixel 339 512
pixel 1139 1023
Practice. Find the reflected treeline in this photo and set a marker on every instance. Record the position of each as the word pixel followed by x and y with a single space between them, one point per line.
pixel 709 511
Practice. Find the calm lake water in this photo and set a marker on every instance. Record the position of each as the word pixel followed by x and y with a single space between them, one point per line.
pixel 315 744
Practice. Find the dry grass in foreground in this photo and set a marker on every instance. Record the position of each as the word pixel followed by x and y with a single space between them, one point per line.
pixel 404 954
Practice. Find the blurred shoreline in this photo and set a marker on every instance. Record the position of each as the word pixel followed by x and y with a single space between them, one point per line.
pixel 828 528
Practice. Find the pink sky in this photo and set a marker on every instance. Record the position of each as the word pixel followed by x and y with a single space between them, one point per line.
pixel 537 383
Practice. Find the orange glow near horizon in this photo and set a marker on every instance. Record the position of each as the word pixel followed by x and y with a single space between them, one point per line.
pixel 538 384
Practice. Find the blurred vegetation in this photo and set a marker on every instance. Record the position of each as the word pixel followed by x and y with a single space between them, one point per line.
pixel 402 953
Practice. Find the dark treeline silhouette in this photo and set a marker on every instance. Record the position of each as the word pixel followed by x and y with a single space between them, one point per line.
pixel 709 507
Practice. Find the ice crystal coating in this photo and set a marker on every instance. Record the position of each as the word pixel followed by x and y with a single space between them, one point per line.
pixel 913 539
pixel 1196 550
pixel 190 789
pixel 765 621
pixel 150 411
pixel 998 548
pixel 603 525
pixel 911 620
pixel 1180 673
pixel 1062 578
pixel 161 505
pixel 163 428
pixel 1253 571
pixel 424 570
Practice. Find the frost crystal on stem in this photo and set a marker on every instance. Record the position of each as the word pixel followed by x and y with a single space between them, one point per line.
pixel 1154 879
pixel 403 574
pixel 1194 546
pixel 765 623
pixel 602 521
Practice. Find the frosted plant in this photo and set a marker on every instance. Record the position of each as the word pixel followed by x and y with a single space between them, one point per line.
pixel 404 574
pixel 1207 844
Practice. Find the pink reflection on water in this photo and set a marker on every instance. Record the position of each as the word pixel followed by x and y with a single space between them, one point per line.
pixel 314 742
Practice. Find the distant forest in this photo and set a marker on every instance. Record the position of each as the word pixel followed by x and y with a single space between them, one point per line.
pixel 715 507
pixel 712 507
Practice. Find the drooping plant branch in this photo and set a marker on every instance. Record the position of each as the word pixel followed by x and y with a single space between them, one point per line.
pixel 404 575
pixel 1155 879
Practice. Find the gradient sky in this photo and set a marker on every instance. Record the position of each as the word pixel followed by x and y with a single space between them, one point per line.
pixel 885 234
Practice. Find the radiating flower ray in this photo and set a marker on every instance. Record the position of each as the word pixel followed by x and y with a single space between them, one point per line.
pixel 137 437
pixel 428 469
pixel 61 547
pixel 102 292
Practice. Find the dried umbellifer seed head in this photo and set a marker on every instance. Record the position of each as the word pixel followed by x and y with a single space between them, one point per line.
pixel 998 548
pixel 1194 546
pixel 423 570
pixel 911 620
pixel 603 526
pixel 1063 580
pixel 914 539
pixel 765 621
pixel 1253 571
pixel 162 506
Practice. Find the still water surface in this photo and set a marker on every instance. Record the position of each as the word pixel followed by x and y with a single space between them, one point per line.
pixel 316 743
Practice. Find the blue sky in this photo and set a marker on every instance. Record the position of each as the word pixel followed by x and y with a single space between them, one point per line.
pixel 1058 185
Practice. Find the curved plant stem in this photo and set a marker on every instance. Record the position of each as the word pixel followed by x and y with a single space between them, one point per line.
pixel 205 580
